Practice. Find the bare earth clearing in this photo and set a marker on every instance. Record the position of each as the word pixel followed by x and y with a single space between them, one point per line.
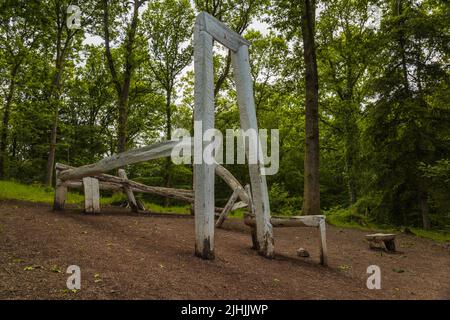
pixel 140 256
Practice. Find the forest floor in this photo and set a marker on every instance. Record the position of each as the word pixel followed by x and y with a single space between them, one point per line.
pixel 140 256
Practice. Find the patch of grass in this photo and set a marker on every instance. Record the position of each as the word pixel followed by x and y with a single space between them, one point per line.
pixel 153 207
pixel 438 236
pixel 10 190
pixel 348 218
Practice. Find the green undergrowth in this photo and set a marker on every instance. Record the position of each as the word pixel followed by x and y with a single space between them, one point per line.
pixel 340 217
pixel 349 218
pixel 10 190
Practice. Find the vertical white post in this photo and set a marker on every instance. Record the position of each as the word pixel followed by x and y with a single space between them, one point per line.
pixel 60 194
pixel 244 88
pixel 203 114
pixel 91 195
pixel 323 243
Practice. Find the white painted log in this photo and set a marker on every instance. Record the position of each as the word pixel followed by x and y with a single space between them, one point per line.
pixel 91 195
pixel 102 185
pixel 228 207
pixel 232 182
pixel 155 151
pixel 323 243
pixel 251 214
pixel 127 189
pixel 220 32
pixel 109 182
pixel 244 88
pixel 204 113
pixel 60 194
pixel 239 205
pixel 293 221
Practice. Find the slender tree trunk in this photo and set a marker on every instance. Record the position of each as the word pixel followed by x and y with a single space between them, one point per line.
pixel 168 137
pixel 402 42
pixel 5 121
pixel 351 151
pixel 350 178
pixel 424 210
pixel 123 90
pixel 123 120
pixel 52 150
pixel 311 195
pixel 55 96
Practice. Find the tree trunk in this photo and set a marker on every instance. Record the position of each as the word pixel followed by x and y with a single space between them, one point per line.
pixel 168 137
pixel 311 195
pixel 54 98
pixel 350 154
pixel 424 210
pixel 123 120
pixel 123 90
pixel 52 150
pixel 5 121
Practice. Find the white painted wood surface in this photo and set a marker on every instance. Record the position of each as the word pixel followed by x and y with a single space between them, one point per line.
pixel 220 32
pixel 317 221
pixel 323 243
pixel 110 182
pixel 250 214
pixel 128 191
pixel 91 195
pixel 204 113
pixel 244 88
pixel 228 207
pixel 232 182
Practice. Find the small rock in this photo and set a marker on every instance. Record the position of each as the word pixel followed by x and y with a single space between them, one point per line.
pixel 302 253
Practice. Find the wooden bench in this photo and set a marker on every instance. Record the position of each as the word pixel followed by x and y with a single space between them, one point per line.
pixel 385 241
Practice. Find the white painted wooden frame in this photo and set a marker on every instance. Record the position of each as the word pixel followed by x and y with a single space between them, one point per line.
pixel 207 29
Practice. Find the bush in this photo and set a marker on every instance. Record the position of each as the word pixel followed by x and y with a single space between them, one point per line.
pixel 281 202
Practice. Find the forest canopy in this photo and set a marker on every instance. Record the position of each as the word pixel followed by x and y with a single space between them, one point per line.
pixel 124 78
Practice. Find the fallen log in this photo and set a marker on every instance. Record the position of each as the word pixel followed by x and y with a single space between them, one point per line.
pixel 110 182
pixel 293 221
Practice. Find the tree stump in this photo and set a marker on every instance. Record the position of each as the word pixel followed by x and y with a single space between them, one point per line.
pixel 382 241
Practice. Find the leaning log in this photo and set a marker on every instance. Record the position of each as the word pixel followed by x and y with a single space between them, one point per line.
pixel 154 151
pixel 232 182
pixel 228 207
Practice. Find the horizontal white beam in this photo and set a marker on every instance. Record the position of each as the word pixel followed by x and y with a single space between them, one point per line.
pixel 220 32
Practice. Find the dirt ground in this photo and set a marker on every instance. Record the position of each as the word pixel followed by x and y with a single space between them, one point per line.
pixel 141 256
